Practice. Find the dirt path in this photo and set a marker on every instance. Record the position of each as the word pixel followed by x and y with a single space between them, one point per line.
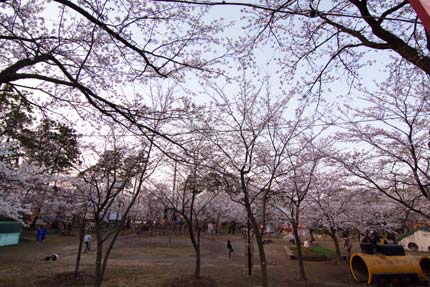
pixel 214 253
pixel 147 261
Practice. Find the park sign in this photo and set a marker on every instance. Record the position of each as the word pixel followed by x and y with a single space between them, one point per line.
pixel 422 7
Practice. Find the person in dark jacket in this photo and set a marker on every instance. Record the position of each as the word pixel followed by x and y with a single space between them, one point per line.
pixel 230 248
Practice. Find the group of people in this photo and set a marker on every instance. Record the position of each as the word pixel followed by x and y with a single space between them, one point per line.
pixel 371 237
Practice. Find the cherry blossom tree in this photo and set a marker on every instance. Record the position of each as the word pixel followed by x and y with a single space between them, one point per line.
pixel 123 170
pixel 338 204
pixel 14 185
pixel 27 186
pixel 34 155
pixel 335 204
pixel 297 176
pixel 391 155
pixel 162 109
pixel 197 189
pixel 376 211
pixel 327 36
pixel 116 173
pixel 242 126
pixel 330 205
pixel 80 54
pixel 339 31
pixel 225 210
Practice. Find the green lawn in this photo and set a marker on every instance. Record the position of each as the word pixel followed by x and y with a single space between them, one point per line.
pixel 329 253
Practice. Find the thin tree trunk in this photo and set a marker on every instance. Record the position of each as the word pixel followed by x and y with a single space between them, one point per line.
pixel 197 269
pixel 260 245
pixel 198 258
pixel 311 233
pixel 258 234
pixel 195 241
pixel 332 234
pixel 99 256
pixel 196 245
pixel 299 252
pixel 78 257
pixel 217 223
pixel 262 254
pixel 263 223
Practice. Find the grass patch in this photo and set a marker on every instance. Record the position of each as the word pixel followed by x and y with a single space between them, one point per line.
pixel 315 251
pixel 319 250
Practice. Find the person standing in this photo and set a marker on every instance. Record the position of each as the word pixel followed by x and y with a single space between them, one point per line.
pixel 44 230
pixel 348 246
pixel 87 240
pixel 39 235
pixel 230 248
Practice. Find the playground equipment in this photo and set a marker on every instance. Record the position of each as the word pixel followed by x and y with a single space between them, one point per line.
pixel 417 240
pixel 388 263
pixel 9 232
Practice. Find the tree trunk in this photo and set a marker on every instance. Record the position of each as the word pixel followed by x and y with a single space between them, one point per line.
pixel 99 256
pixel 197 267
pixel 217 223
pixel 332 234
pixel 196 245
pixel 263 262
pixel 258 234
pixel 195 241
pixel 311 233
pixel 78 257
pixel 299 252
pixel 261 252
pixel 263 223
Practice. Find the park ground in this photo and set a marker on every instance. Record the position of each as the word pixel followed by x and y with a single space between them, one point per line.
pixel 152 261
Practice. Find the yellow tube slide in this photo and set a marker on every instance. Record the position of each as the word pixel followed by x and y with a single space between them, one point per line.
pixel 425 266
pixel 365 267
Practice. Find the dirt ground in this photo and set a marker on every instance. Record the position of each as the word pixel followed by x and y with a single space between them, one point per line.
pixel 153 261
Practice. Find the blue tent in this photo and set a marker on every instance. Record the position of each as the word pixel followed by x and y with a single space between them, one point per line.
pixel 10 232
